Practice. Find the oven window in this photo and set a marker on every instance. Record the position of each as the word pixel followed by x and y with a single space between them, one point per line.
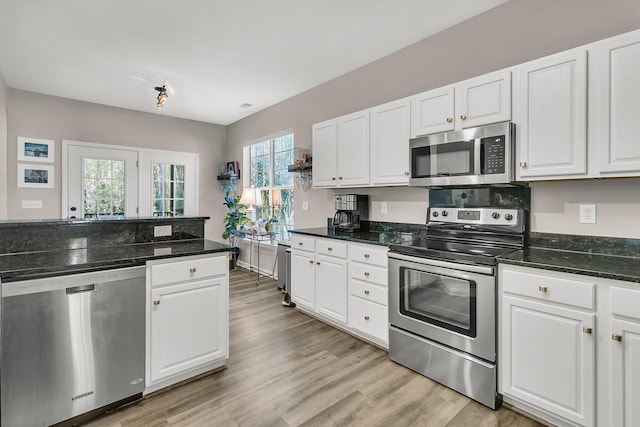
pixel 443 301
pixel 451 159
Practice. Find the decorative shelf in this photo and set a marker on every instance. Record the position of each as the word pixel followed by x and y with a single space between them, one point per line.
pixel 300 167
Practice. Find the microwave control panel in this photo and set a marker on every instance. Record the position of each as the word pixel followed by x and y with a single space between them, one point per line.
pixel 493 154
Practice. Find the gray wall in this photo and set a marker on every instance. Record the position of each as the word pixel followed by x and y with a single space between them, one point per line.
pixel 3 148
pixel 42 116
pixel 515 32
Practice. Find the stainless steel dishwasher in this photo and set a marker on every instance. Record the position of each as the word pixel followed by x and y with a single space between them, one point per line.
pixel 71 344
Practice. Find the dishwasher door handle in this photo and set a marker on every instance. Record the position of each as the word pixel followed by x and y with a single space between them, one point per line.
pixel 78 289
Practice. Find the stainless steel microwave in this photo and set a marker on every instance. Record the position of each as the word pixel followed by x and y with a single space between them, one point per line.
pixel 474 156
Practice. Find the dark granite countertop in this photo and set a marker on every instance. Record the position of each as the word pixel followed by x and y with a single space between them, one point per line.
pixel 382 234
pixel 32 265
pixel 604 257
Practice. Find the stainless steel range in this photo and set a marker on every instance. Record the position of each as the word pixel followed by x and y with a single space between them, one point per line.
pixel 442 297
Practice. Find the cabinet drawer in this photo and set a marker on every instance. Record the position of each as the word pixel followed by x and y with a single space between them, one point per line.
pixel 368 255
pixel 189 269
pixel 552 287
pixel 625 302
pixel 303 243
pixel 331 247
pixel 369 273
pixel 369 317
pixel 369 291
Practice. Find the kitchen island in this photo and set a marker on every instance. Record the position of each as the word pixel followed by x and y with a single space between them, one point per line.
pixel 96 313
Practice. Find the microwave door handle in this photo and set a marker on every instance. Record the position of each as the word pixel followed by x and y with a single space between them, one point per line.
pixel 476 156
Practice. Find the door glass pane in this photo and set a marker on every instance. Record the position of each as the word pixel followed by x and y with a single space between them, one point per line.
pixel 440 300
pixel 103 188
pixel 168 189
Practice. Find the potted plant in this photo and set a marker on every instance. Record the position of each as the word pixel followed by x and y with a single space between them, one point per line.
pixel 235 218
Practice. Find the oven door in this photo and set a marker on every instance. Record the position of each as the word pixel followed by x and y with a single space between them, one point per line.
pixel 452 304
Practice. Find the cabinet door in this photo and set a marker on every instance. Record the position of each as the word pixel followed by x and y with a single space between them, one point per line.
pixel 432 112
pixel 331 287
pixel 353 149
pixel 303 285
pixel 547 358
pixel 325 145
pixel 483 100
pixel 615 106
pixel 390 143
pixel 188 326
pixel 550 109
pixel 626 373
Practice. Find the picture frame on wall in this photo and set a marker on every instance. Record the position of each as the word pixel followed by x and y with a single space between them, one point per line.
pixel 35 176
pixel 36 150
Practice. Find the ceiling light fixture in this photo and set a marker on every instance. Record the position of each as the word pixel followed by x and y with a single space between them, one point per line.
pixel 162 96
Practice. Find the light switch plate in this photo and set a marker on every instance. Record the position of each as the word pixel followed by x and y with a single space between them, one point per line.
pixel 305 205
pixel 32 204
pixel 161 230
pixel 383 207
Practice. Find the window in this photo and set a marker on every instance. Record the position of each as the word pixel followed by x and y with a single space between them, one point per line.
pixel 268 161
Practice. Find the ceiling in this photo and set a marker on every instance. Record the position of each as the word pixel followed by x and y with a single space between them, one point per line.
pixel 213 55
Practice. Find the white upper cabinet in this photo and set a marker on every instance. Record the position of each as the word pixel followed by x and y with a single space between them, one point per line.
pixel 432 111
pixel 325 152
pixel 353 149
pixel 474 102
pixel 615 106
pixel 390 143
pixel 341 151
pixel 483 100
pixel 550 112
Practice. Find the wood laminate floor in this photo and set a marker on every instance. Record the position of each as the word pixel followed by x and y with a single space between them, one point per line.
pixel 289 369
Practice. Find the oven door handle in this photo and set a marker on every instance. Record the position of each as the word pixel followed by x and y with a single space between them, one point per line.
pixel 480 269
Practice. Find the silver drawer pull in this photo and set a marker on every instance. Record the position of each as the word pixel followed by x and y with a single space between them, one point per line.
pixel 318 262
pixel 543 289
pixel 329 249
pixel 310 261
pixel 366 317
pixel 156 302
pixel 587 330
pixel 366 274
pixel 366 256
pixel 300 243
pixel 366 292
pixel 616 337
pixel 192 270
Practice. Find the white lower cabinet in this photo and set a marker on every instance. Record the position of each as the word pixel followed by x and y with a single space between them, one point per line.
pixel 550 365
pixel 188 320
pixel 323 285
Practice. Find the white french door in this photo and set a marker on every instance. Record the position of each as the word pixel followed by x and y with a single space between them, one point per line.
pixel 100 182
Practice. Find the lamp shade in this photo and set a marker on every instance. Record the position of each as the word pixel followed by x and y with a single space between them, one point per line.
pixel 276 198
pixel 251 196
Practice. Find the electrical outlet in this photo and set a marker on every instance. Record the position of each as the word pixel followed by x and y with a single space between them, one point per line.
pixel 31 204
pixel 305 205
pixel 161 230
pixel 587 214
pixel 383 207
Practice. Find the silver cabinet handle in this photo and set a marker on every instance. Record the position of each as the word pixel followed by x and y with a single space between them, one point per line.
pixel 463 116
pixel 366 274
pixel 587 330
pixel 310 261
pixel 318 262
pixel 366 292
pixel 523 164
pixel 156 302
pixel 543 289
pixel 192 270
pixel 333 178
pixel 366 317
pixel 366 256
pixel 406 173
pixel 329 249
pixel 449 119
pixel 616 337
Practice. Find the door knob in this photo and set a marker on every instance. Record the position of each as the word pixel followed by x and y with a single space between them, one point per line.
pixel 463 116
pixel 449 119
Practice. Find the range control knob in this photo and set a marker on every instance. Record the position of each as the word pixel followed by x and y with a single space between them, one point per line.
pixel 445 213
pixel 495 215
pixel 435 214
pixel 508 217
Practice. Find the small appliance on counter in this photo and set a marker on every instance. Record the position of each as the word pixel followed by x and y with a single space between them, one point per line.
pixel 350 210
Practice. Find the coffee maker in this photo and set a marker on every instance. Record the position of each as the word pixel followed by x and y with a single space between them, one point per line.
pixel 350 210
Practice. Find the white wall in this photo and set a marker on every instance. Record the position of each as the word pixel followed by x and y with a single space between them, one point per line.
pixel 3 148
pixel 49 117
pixel 515 32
